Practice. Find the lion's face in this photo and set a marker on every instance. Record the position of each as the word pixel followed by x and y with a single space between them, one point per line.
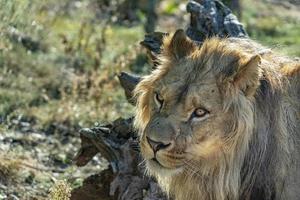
pixel 183 112
pixel 186 123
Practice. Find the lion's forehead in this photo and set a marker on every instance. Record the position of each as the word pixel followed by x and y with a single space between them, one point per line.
pixel 179 84
pixel 185 95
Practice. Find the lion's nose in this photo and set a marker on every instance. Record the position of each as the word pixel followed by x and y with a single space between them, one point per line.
pixel 156 146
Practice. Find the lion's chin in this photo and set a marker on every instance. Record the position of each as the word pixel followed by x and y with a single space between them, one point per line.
pixel 157 169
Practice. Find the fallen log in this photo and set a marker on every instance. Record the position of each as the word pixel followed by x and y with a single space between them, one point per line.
pixel 118 142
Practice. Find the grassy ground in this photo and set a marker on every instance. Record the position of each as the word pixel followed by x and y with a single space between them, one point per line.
pixel 58 66
pixel 71 75
pixel 275 25
pixel 58 62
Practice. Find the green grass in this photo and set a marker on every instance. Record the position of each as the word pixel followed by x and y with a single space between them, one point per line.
pixel 273 25
pixel 73 77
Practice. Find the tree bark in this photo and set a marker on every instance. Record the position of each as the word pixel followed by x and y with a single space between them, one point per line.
pixel 118 142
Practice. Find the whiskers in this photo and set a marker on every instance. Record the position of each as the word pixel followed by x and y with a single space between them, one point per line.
pixel 142 163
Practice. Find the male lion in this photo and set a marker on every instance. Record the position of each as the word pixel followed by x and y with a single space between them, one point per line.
pixel 221 121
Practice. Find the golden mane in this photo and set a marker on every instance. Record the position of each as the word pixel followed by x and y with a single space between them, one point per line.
pixel 262 150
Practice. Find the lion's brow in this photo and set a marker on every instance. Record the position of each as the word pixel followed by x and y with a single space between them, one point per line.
pixel 181 92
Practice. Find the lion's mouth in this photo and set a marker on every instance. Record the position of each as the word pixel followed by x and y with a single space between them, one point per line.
pixel 154 162
pixel 159 168
pixel 157 162
pixel 162 165
pixel 162 160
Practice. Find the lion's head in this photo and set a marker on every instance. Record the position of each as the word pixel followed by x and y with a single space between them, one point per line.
pixel 195 115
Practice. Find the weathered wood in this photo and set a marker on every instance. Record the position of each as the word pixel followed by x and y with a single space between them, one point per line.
pixel 118 142
pixel 212 18
pixel 128 82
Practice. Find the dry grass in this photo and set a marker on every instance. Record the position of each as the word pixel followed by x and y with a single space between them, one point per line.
pixel 70 77
pixel 9 169
pixel 60 191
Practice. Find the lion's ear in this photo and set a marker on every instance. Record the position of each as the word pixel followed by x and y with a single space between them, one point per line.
pixel 178 45
pixel 245 77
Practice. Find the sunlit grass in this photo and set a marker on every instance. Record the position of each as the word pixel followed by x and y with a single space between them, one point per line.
pixel 273 25
pixel 74 78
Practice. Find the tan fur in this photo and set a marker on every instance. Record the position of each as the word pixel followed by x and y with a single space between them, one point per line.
pixel 248 145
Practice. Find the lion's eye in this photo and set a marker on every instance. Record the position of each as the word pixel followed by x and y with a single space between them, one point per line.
pixel 199 113
pixel 158 99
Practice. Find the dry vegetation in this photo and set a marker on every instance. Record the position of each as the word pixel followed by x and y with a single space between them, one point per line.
pixel 60 191
pixel 58 62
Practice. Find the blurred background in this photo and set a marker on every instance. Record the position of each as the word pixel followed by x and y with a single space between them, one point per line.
pixel 58 65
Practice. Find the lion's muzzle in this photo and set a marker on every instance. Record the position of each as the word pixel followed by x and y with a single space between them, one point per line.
pixel 156 146
pixel 160 133
pixel 159 142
